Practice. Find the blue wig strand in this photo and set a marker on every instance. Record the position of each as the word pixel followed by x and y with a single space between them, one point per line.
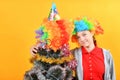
pixel 82 25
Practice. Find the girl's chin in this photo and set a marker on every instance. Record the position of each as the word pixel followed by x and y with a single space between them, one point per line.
pixel 85 45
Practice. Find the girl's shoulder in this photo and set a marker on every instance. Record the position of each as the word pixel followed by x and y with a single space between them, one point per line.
pixel 107 53
pixel 75 49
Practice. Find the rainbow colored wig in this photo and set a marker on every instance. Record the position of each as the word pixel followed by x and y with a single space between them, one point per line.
pixel 87 24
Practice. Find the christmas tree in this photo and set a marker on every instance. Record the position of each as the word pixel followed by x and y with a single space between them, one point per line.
pixel 53 60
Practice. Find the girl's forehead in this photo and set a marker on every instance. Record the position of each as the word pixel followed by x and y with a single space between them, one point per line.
pixel 81 32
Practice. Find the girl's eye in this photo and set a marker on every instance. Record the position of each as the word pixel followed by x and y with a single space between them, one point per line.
pixel 77 37
pixel 84 34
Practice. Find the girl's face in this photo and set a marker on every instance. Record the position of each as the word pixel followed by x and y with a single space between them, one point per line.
pixel 85 38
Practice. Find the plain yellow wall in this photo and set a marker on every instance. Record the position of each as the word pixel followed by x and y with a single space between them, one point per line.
pixel 20 18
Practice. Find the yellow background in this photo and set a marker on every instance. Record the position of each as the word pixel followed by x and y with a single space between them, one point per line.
pixel 20 18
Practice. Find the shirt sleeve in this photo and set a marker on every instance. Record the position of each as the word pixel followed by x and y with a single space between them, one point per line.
pixel 109 66
pixel 112 68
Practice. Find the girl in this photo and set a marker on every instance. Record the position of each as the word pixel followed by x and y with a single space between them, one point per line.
pixel 94 63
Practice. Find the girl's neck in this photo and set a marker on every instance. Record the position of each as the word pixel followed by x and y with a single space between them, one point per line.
pixel 90 48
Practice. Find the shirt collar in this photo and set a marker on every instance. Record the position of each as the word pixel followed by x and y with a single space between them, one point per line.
pixel 94 51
